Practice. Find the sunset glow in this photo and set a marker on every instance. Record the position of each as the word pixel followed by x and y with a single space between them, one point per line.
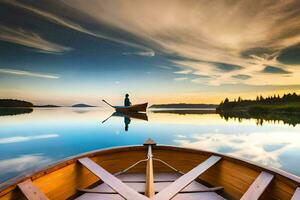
pixel 63 52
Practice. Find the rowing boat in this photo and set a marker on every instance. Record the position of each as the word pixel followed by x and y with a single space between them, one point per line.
pixel 153 172
pixel 134 108
pixel 128 109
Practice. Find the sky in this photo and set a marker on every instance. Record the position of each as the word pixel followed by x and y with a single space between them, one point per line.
pixel 194 51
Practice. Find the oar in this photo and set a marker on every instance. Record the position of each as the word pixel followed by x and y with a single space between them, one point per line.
pixel 108 103
pixel 107 118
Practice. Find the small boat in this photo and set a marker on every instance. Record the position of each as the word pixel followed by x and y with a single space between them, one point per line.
pixel 133 108
pixel 153 172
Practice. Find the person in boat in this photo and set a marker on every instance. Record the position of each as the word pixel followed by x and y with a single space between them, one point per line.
pixel 127 101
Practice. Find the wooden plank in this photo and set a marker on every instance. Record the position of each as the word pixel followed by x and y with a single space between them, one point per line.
pixel 93 196
pixel 140 187
pixel 149 189
pixel 296 195
pixel 258 186
pixel 117 185
pixel 197 196
pixel 31 191
pixel 186 179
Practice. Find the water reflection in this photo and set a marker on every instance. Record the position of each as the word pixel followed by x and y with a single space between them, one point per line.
pixel 14 111
pixel 127 117
pixel 185 111
pixel 261 147
pixel 48 135
pixel 290 119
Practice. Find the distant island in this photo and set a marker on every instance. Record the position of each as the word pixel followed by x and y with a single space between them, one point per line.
pixel 82 105
pixel 13 103
pixel 14 107
pixel 288 103
pixel 183 105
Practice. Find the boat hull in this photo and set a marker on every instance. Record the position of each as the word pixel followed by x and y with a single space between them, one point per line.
pixel 62 180
pixel 134 108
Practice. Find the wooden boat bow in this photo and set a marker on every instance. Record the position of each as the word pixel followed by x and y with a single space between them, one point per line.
pixel 154 172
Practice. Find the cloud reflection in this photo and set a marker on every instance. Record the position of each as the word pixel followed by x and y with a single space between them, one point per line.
pixel 16 139
pixel 261 147
pixel 22 163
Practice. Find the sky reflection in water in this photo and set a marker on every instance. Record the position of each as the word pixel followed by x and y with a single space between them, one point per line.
pixel 45 136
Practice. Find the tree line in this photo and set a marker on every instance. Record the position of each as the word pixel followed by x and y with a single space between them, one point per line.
pixel 275 99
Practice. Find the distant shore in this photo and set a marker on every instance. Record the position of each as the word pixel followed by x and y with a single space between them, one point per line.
pixel 14 103
pixel 288 103
pixel 183 106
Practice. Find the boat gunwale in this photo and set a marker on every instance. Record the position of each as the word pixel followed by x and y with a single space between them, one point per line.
pixel 132 106
pixel 11 184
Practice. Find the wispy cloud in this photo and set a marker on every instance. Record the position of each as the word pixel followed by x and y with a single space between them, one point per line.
pixel 243 41
pixel 241 76
pixel 27 73
pixel 180 79
pixel 141 53
pixel 210 46
pixel 186 71
pixel 30 39
pixel 69 24
pixel 25 138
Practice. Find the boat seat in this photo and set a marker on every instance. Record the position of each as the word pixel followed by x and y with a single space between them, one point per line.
pixel 166 185
pixel 194 190
pixel 115 183
pixel 158 186
pixel 174 188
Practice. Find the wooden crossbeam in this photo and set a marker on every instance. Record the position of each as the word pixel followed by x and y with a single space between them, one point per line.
pixel 258 186
pixel 175 187
pixel 296 195
pixel 117 185
pixel 31 191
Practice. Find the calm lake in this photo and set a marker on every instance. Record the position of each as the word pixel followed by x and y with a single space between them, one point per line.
pixel 44 136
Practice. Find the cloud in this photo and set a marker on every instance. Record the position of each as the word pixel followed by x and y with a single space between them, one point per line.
pixel 27 73
pixel 196 35
pixel 25 138
pixel 180 79
pixel 141 53
pixel 69 24
pixel 30 39
pixel 275 70
pixel 241 76
pixel 186 71
pixel 183 29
